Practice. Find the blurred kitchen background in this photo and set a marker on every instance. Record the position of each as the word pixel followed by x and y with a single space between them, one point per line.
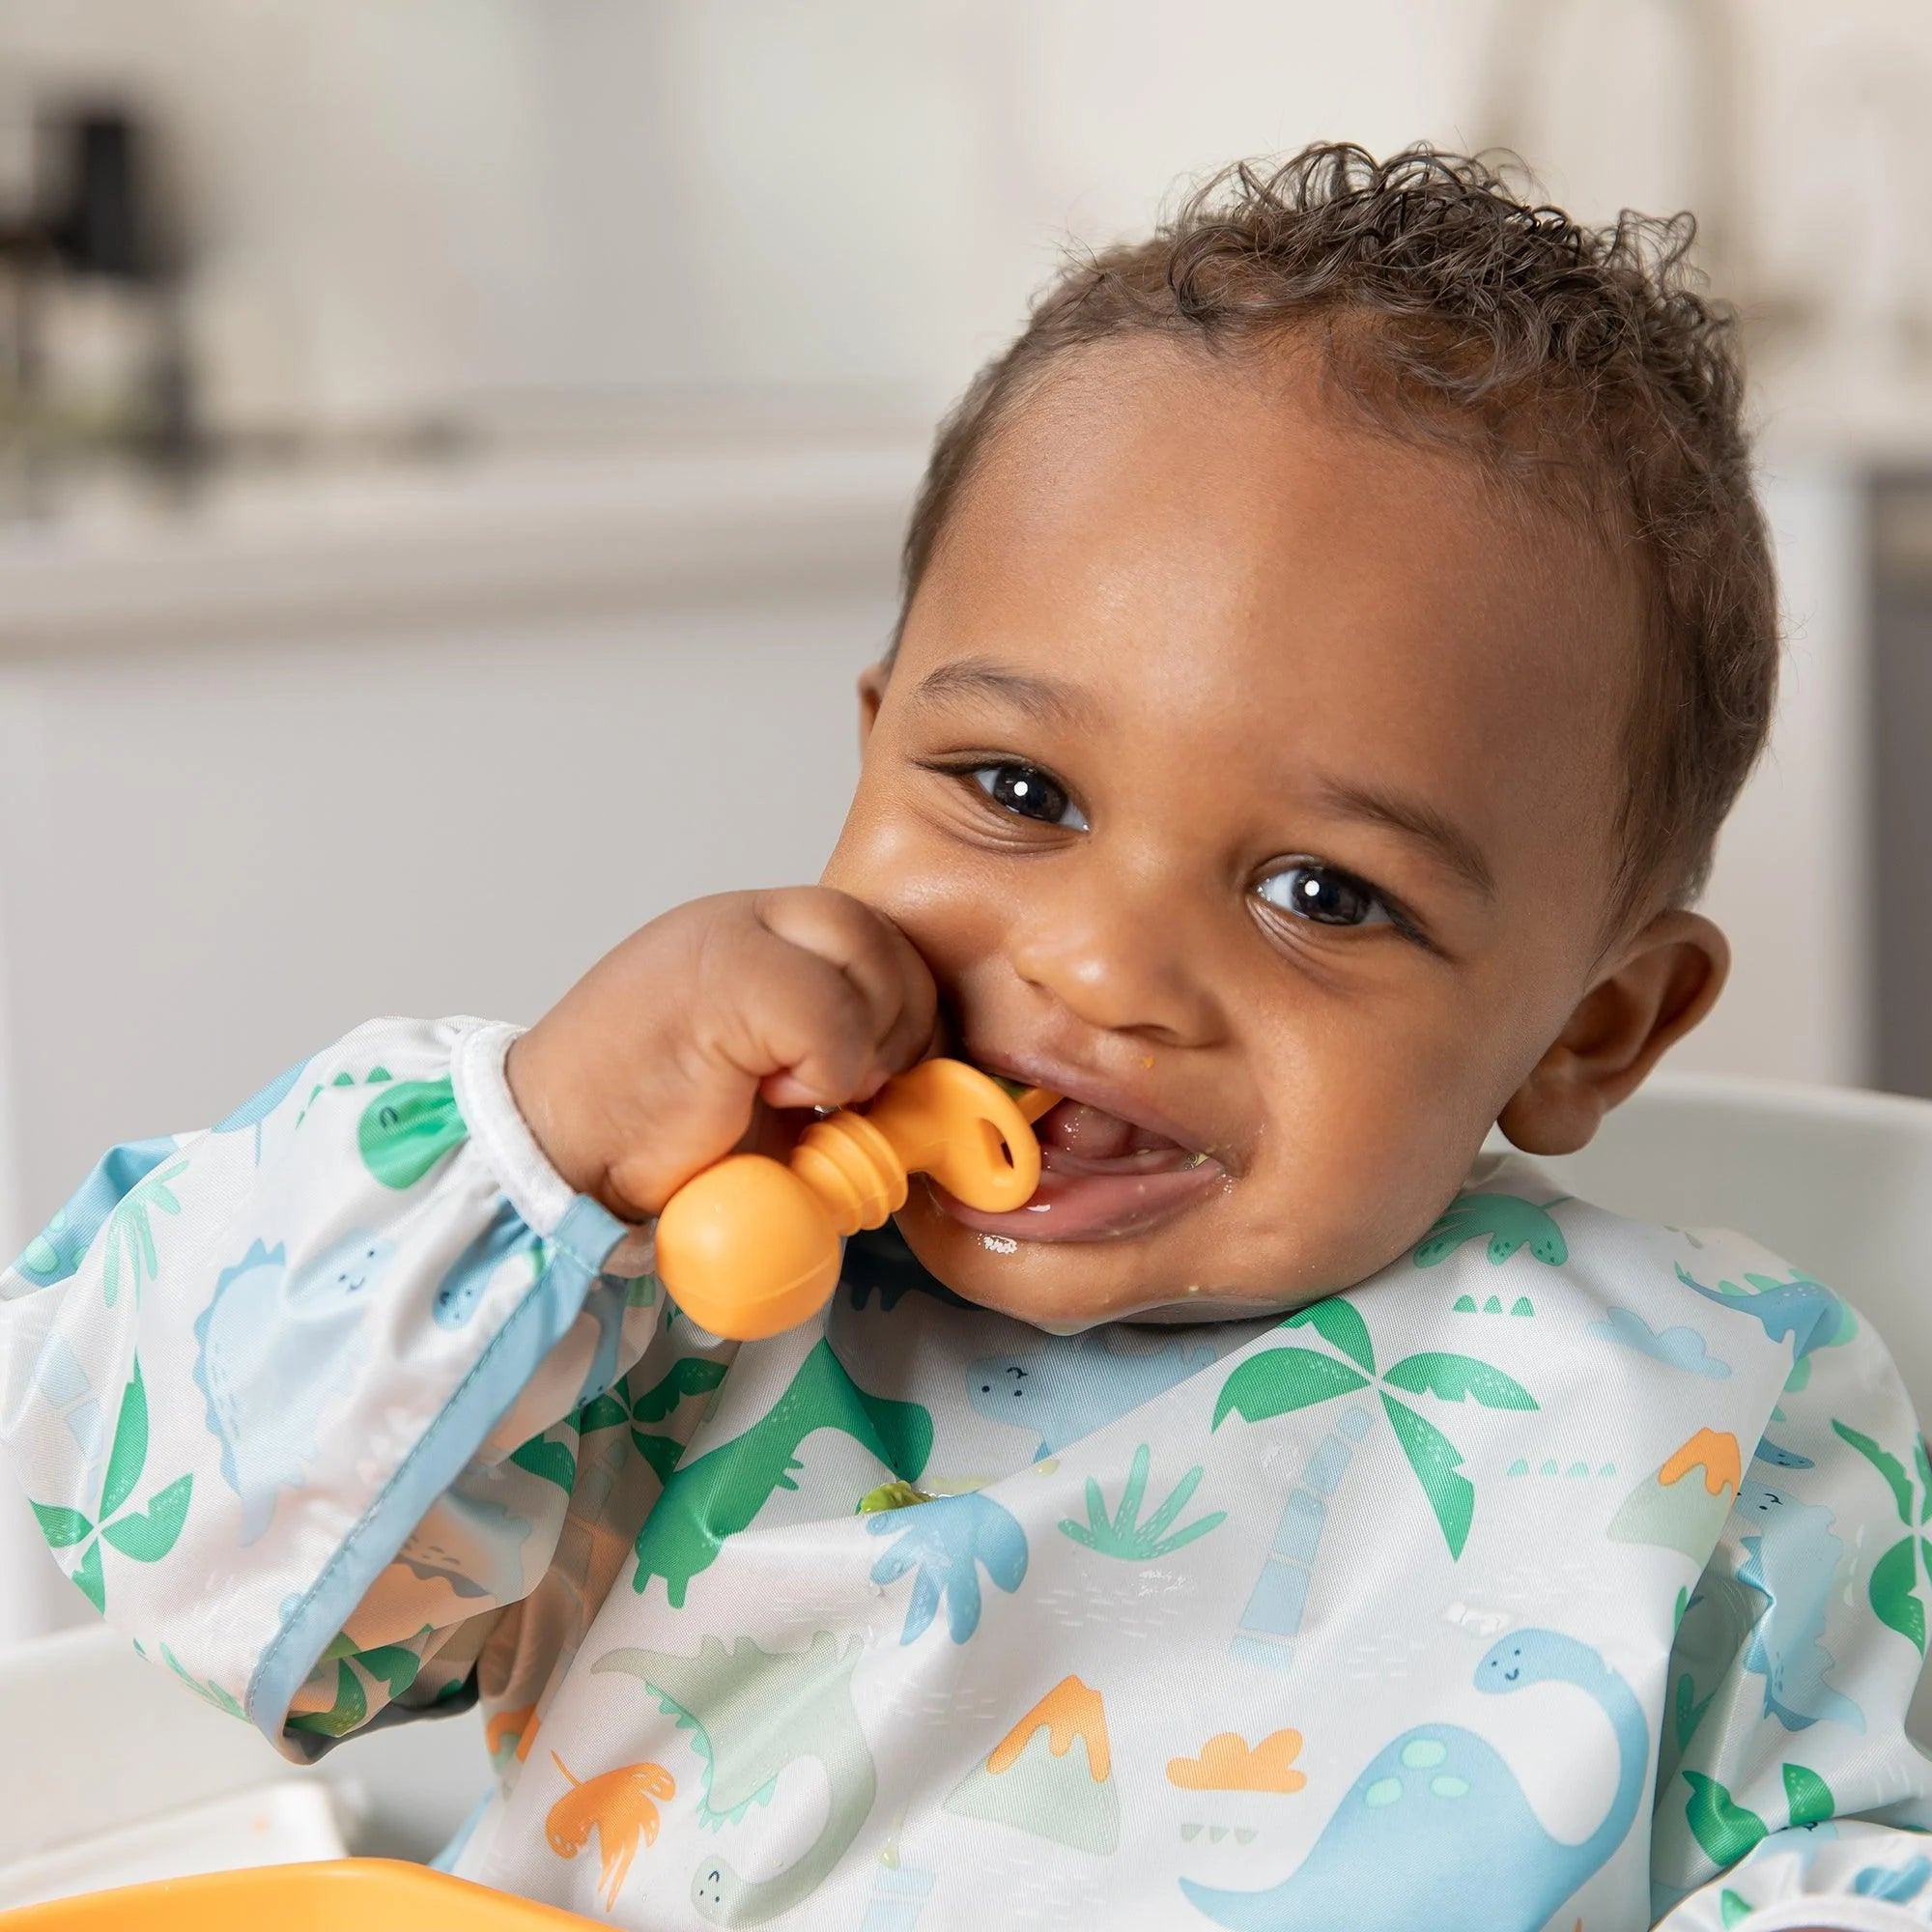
pixel 452 456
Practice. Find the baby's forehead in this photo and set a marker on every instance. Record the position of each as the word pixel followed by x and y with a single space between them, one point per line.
pixel 1151 448
pixel 1204 517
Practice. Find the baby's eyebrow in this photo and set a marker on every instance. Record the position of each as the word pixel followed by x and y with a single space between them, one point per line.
pixel 1041 699
pixel 1422 822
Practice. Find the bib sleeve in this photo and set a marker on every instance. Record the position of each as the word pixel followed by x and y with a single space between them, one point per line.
pixel 1789 1794
pixel 297 1400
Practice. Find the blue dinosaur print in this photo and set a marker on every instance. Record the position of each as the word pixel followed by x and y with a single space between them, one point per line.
pixel 1066 1389
pixel 276 1350
pixel 1803 1309
pixel 1437 1831
pixel 945 1542
pixel 1901 1884
pixel 1792 1560
pixel 506 1237
pixel 253 1112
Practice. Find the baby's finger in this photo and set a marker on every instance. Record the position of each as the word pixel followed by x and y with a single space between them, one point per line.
pixel 801 1028
pixel 878 960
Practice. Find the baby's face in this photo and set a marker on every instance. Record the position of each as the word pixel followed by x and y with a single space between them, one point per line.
pixel 1250 779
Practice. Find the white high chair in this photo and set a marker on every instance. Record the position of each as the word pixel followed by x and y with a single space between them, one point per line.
pixel 1836 1182
pixel 105 1755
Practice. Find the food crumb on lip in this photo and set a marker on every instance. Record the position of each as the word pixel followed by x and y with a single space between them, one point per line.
pixel 999 1244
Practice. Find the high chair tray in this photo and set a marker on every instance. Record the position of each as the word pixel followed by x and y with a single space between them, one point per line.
pixel 342 1895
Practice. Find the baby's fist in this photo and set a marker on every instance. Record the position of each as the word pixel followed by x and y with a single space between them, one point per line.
pixel 659 1060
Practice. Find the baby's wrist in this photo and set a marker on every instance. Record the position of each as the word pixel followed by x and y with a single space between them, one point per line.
pixel 553 1113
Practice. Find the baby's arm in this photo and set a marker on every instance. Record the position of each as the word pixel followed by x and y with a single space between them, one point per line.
pixel 297 1401
pixel 262 1386
pixel 1788 1793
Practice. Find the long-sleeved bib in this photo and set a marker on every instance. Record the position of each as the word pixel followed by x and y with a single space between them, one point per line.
pixel 1569 1571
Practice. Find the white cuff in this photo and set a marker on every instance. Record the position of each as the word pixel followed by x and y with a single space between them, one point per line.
pixel 1837 1911
pixel 499 1134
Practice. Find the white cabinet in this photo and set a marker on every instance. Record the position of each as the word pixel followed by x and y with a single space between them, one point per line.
pixel 427 745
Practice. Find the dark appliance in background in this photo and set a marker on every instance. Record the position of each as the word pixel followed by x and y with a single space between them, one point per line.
pixel 94 213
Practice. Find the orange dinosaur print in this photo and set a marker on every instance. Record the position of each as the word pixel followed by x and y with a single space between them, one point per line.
pixel 520 1724
pixel 1712 1450
pixel 1226 1764
pixel 619 1807
pixel 1071 1710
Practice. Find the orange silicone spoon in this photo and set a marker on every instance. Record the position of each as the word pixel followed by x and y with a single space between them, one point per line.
pixel 750 1247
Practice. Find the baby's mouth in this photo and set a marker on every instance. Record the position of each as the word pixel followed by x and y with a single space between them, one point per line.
pixel 1102 1176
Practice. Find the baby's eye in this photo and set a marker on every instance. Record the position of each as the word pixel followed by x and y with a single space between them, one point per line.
pixel 1027 791
pixel 1321 894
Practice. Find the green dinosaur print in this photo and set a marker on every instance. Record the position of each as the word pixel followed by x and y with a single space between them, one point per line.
pixel 690 1374
pixel 129 1234
pixel 405 1130
pixel 1123 1535
pixel 721 1491
pixel 1894 1588
pixel 1508 1220
pixel 377 1076
pixel 751 1713
pixel 148 1536
pixel 1281 1379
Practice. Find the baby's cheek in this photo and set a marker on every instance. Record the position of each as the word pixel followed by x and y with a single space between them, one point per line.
pixel 1352 1177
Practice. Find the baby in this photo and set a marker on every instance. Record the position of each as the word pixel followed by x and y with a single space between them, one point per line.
pixel 1333 635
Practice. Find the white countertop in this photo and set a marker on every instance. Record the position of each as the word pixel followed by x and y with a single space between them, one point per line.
pixel 249 560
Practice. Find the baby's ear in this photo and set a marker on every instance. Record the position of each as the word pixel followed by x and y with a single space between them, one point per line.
pixel 1663 982
pixel 871 695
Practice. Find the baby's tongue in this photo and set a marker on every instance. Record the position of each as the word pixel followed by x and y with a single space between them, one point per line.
pixel 1093 1134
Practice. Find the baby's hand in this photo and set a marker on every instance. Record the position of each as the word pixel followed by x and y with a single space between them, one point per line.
pixel 664 1055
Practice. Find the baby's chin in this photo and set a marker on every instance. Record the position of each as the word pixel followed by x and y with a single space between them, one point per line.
pixel 1063 1286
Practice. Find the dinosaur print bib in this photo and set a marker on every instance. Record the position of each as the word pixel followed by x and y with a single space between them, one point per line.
pixel 1567 1572
pixel 1361 1619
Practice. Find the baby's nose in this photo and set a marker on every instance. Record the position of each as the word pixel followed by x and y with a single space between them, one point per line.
pixel 1117 972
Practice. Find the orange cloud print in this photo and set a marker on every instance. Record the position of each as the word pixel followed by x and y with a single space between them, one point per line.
pixel 1226 1764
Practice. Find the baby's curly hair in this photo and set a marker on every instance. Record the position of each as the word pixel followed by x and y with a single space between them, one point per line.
pixel 1574 362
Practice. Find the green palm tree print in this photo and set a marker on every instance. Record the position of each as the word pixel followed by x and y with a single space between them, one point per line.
pixel 131 1235
pixel 1894 1588
pixel 1123 1534
pixel 148 1536
pixel 1282 1379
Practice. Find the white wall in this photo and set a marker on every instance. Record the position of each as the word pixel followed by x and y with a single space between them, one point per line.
pixel 401 206
pixel 1792 885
